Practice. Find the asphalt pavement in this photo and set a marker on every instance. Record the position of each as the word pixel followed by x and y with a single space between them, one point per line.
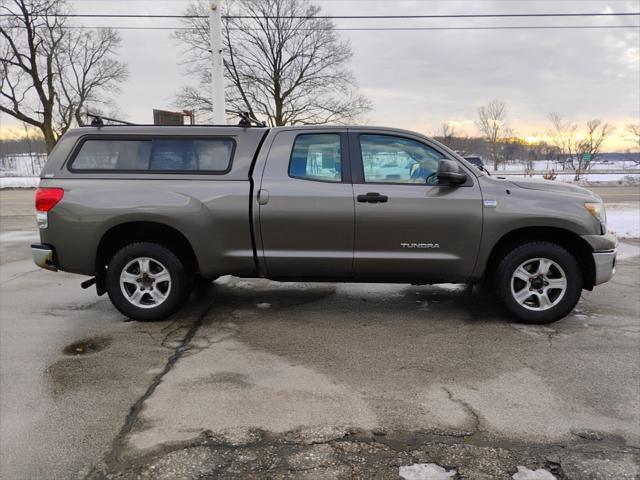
pixel 307 380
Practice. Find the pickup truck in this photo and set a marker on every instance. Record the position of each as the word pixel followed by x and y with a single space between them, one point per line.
pixel 148 211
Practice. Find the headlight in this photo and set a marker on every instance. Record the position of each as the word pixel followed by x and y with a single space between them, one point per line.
pixel 597 210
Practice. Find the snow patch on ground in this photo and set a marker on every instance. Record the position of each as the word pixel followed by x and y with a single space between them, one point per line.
pixel 524 473
pixel 19 236
pixel 19 182
pixel 227 280
pixel 624 222
pixel 263 306
pixel 627 250
pixel 425 471
pixel 451 286
pixel 591 178
pixel 22 165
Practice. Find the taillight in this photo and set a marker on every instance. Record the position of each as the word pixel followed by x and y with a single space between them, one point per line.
pixel 46 198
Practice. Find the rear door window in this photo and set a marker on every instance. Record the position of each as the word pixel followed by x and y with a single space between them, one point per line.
pixel 316 156
pixel 181 155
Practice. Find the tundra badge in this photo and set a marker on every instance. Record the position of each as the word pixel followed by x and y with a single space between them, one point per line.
pixel 420 245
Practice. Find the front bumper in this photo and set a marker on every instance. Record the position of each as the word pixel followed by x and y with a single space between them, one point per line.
pixel 605 266
pixel 605 248
pixel 43 256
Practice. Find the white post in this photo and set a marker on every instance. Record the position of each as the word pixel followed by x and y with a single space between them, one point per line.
pixel 217 67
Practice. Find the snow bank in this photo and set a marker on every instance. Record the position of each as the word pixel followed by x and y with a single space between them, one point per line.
pixel 628 172
pixel 19 182
pixel 518 166
pixel 624 222
pixel 595 178
pixel 22 165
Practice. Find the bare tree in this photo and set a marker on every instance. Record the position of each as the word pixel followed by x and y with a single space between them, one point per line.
pixel 457 140
pixel 491 122
pixel 634 130
pixel 49 72
pixel 283 64
pixel 87 69
pixel 579 153
pixel 590 146
pixel 448 134
pixel 563 136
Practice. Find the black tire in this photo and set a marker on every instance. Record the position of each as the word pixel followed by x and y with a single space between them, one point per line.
pixel 528 251
pixel 176 294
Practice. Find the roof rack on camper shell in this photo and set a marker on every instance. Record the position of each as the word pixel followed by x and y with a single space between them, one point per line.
pixel 246 120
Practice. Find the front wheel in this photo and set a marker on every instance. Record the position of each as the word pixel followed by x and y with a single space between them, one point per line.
pixel 539 282
pixel 146 281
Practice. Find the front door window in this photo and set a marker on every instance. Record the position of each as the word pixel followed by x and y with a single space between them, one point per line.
pixel 391 159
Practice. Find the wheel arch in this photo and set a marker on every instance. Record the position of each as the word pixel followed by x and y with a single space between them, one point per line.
pixel 143 231
pixel 567 239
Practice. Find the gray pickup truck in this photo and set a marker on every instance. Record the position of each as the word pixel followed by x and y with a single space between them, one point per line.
pixel 147 211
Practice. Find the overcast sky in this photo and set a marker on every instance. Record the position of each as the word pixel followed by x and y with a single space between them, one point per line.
pixel 420 79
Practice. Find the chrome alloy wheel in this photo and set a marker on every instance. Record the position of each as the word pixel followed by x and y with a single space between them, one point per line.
pixel 145 282
pixel 538 284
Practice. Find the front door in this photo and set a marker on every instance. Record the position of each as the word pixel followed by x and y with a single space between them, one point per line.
pixel 306 205
pixel 407 226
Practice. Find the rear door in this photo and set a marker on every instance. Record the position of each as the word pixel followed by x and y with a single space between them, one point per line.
pixel 407 226
pixel 306 205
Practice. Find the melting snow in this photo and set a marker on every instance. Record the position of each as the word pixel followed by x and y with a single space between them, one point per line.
pixel 625 223
pixel 426 471
pixel 229 280
pixel 524 473
pixel 451 286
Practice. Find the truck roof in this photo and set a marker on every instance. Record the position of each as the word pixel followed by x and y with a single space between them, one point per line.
pixel 218 129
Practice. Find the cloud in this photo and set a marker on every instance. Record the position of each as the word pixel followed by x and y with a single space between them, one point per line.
pixel 420 79
pixel 448 74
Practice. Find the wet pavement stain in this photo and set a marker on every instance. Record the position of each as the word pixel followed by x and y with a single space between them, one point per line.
pixel 87 345
pixel 78 369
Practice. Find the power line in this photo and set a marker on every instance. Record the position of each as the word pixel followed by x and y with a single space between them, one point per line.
pixel 395 1
pixel 349 17
pixel 364 29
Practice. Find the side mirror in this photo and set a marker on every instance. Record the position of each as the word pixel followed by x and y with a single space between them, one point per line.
pixel 449 173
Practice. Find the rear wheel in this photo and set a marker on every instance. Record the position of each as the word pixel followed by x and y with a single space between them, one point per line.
pixel 539 282
pixel 146 281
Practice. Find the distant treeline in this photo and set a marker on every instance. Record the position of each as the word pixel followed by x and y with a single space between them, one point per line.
pixel 22 145
pixel 513 149
pixel 517 149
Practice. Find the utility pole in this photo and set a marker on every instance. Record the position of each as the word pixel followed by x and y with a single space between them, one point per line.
pixel 217 67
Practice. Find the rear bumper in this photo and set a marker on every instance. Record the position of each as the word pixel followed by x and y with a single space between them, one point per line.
pixel 43 256
pixel 605 266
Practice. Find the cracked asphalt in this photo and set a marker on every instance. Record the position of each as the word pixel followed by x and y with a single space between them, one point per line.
pixel 255 378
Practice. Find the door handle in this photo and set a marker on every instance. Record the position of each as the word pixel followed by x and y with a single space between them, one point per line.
pixel 263 196
pixel 373 197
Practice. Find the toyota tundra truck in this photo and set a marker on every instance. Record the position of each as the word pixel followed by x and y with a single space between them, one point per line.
pixel 148 211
